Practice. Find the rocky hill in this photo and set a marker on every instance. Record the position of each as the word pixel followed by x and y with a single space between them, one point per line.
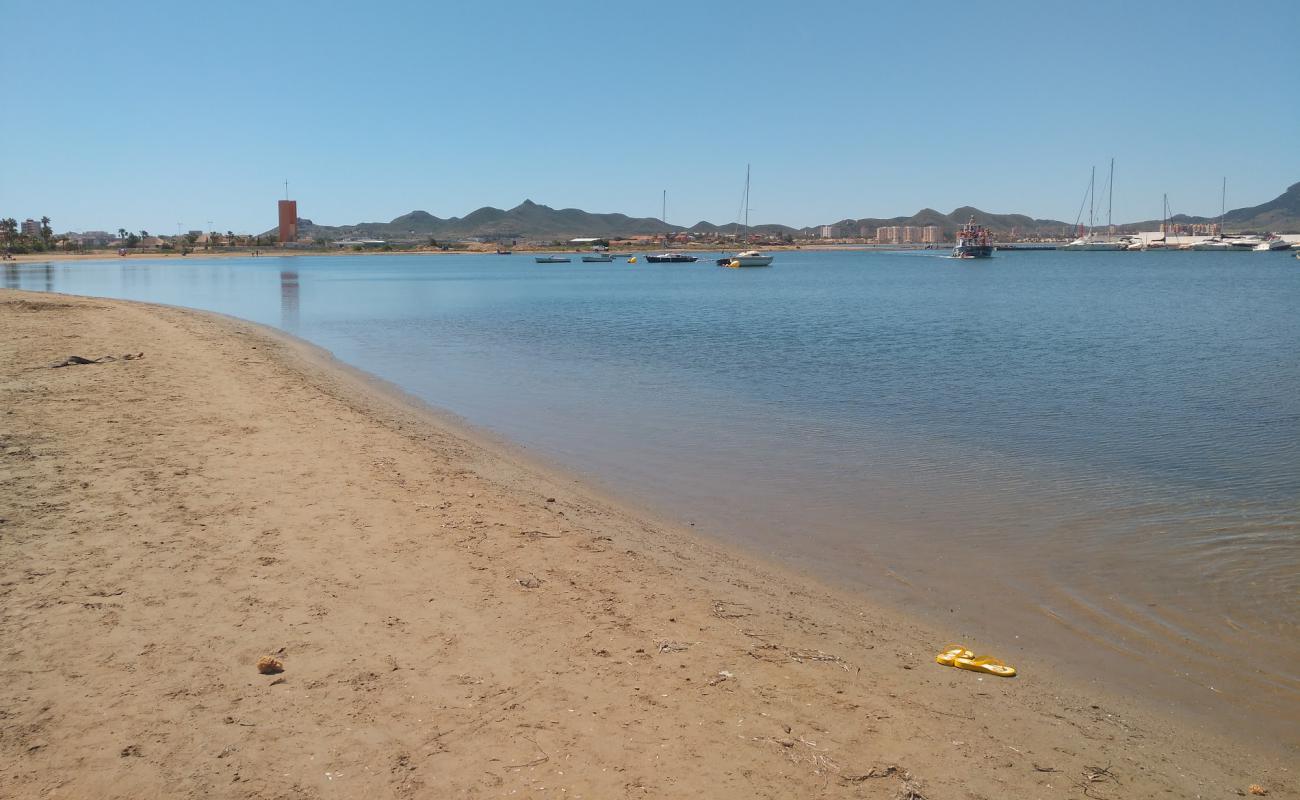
pixel 530 220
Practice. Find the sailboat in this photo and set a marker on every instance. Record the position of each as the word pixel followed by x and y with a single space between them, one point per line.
pixel 748 258
pixel 1093 241
pixel 1217 243
pixel 1165 224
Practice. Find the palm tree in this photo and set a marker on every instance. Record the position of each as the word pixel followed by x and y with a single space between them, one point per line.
pixel 8 229
pixel 121 233
pixel 45 230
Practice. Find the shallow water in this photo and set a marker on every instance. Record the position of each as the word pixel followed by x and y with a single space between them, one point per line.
pixel 1092 453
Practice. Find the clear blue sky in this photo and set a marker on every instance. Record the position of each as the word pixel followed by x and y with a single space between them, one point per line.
pixel 143 114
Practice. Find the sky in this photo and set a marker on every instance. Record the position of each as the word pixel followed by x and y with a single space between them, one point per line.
pixel 159 116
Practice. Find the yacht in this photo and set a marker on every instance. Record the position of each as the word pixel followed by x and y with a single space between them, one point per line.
pixel 1271 242
pixel 1216 244
pixel 1093 240
pixel 749 258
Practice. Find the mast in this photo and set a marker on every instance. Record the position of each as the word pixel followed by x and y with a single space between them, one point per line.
pixel 1223 203
pixel 1092 187
pixel 1110 197
pixel 746 198
pixel 663 214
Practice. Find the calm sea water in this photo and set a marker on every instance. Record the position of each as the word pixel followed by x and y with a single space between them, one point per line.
pixel 1050 452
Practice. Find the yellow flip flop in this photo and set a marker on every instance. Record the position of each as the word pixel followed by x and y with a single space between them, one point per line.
pixel 986 664
pixel 951 652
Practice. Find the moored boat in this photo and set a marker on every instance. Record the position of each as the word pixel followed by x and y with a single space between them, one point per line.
pixel 551 259
pixel 671 258
pixel 973 241
pixel 597 258
pixel 749 258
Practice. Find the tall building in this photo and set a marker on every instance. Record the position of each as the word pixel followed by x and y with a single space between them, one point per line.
pixel 931 234
pixel 31 228
pixel 288 221
pixel 828 231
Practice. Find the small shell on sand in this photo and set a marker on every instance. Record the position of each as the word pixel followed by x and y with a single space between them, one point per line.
pixel 269 665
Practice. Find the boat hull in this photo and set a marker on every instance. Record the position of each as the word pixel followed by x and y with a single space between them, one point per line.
pixel 973 251
pixel 746 261
pixel 550 260
pixel 672 259
pixel 597 259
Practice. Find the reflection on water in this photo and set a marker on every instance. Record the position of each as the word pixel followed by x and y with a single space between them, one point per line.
pixel 289 300
pixel 1095 453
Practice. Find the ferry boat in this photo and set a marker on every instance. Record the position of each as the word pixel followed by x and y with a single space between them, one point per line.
pixel 973 241
pixel 672 258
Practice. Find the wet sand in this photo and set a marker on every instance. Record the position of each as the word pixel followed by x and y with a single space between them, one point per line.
pixel 452 621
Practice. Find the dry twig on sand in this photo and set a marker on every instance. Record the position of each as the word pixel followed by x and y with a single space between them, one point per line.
pixel 540 759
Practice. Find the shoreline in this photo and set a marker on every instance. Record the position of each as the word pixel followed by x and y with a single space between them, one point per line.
pixel 272 252
pixel 626 634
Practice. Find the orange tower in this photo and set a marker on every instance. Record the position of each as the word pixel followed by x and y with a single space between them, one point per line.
pixel 288 221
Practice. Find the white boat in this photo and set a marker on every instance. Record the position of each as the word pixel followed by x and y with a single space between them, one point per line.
pixel 551 259
pixel 1215 244
pixel 1093 240
pixel 1271 243
pixel 597 258
pixel 749 258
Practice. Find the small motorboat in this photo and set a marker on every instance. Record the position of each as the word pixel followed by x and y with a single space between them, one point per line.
pixel 597 258
pixel 501 252
pixel 671 258
pixel 551 259
pixel 749 258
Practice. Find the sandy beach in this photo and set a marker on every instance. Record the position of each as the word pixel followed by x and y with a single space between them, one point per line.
pixel 452 620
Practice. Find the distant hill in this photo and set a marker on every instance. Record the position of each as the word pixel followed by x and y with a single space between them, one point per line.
pixel 1279 215
pixel 530 220
pixel 1000 224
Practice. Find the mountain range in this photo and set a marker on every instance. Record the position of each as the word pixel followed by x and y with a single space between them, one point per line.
pixel 530 220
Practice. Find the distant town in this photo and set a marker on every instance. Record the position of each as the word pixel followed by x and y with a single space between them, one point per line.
pixel 533 226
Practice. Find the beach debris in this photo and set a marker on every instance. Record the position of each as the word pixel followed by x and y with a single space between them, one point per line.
pixel 1094 775
pixel 530 582
pixel 875 772
pixel 724 609
pixel 131 750
pixel 71 361
pixel 1257 790
pixel 270 665
pixel 954 655
pixel 544 757
pixel 667 646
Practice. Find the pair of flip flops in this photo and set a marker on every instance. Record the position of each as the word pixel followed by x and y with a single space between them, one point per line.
pixel 954 655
